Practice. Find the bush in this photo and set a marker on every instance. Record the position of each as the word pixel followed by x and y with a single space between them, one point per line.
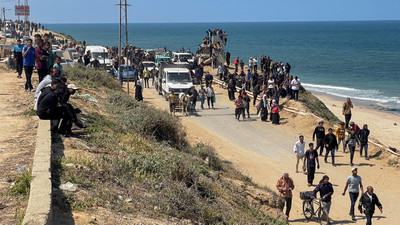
pixel 91 78
pixel 316 106
pixel 147 120
pixel 207 152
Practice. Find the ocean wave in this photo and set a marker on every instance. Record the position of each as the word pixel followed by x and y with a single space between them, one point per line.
pixel 391 103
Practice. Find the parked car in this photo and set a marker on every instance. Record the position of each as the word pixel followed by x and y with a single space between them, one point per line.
pixel 124 73
pixel 55 47
pixel 74 53
pixel 68 62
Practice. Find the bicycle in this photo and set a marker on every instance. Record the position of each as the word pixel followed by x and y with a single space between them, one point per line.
pixel 309 210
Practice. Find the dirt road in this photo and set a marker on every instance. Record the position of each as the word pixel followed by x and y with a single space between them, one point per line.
pixel 17 142
pixel 264 152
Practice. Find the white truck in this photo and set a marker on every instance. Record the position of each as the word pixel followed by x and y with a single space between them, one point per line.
pixel 173 77
pixel 100 53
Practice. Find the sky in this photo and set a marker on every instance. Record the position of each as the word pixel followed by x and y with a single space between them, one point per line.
pixel 171 11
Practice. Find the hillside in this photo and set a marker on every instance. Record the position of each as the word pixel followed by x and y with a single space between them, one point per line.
pixel 136 165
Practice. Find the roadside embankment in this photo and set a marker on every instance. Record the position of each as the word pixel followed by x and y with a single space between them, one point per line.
pixel 39 207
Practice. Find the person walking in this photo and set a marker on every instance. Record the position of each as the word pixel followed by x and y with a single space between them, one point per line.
pixel 172 102
pixel 319 131
pixel 202 96
pixel 363 137
pixel 325 190
pixel 228 58
pixel 285 186
pixel 239 107
pixel 368 201
pixel 29 62
pixel 146 76
pixel 210 96
pixel 330 143
pixel 341 135
pixel 220 71
pixel 299 151
pixel 256 92
pixel 231 90
pixel 351 142
pixel 236 64
pixel 346 111
pixel 246 104
pixel 19 60
pixel 311 156
pixel 138 91
pixel 354 184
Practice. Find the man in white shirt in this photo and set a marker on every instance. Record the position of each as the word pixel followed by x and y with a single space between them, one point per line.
pixel 220 71
pixel 271 86
pixel 251 64
pixel 295 88
pixel 255 62
pixel 353 183
pixel 299 151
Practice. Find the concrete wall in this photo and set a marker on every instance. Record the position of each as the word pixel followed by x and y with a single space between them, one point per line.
pixel 39 207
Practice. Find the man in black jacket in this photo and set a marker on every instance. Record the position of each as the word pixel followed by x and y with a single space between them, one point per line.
pixel 363 137
pixel 368 201
pixel 331 144
pixel 319 131
pixel 325 190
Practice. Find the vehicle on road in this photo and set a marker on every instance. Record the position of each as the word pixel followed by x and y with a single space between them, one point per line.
pixel 124 73
pixel 73 52
pixel 149 65
pixel 173 77
pixel 68 62
pixel 162 59
pixel 101 54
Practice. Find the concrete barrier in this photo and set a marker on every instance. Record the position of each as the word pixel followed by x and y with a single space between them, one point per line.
pixel 39 211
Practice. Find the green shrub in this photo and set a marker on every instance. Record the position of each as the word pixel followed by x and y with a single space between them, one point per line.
pixel 29 112
pixel 316 106
pixel 147 120
pixel 207 152
pixel 87 77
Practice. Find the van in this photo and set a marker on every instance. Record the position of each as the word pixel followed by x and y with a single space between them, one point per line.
pixel 100 53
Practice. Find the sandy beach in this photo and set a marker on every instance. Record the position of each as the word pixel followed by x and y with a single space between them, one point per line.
pixel 384 126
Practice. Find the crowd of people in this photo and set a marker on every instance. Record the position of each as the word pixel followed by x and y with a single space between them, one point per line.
pixel 53 92
pixel 351 136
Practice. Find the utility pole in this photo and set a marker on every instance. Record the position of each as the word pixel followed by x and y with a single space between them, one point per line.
pixel 123 37
pixel 26 18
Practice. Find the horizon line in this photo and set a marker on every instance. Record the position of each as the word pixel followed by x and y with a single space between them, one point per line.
pixel 287 21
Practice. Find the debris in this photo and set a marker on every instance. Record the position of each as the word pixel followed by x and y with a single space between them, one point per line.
pixel 395 124
pixel 21 169
pixel 156 208
pixel 2 150
pixel 68 187
pixel 128 200
pixel 88 98
pixel 120 197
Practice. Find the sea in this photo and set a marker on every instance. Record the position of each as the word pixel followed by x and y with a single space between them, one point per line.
pixel 357 59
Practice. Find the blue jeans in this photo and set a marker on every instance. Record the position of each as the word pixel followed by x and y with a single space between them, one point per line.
pixel 364 147
pixel 353 199
pixel 332 151
pixel 342 141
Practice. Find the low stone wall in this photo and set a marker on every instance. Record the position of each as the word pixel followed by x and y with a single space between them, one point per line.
pixel 39 207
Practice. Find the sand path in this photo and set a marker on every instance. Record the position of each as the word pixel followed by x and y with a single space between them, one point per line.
pixel 17 139
pixel 263 152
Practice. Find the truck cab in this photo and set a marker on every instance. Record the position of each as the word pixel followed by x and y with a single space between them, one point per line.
pixel 173 77
pixel 100 53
